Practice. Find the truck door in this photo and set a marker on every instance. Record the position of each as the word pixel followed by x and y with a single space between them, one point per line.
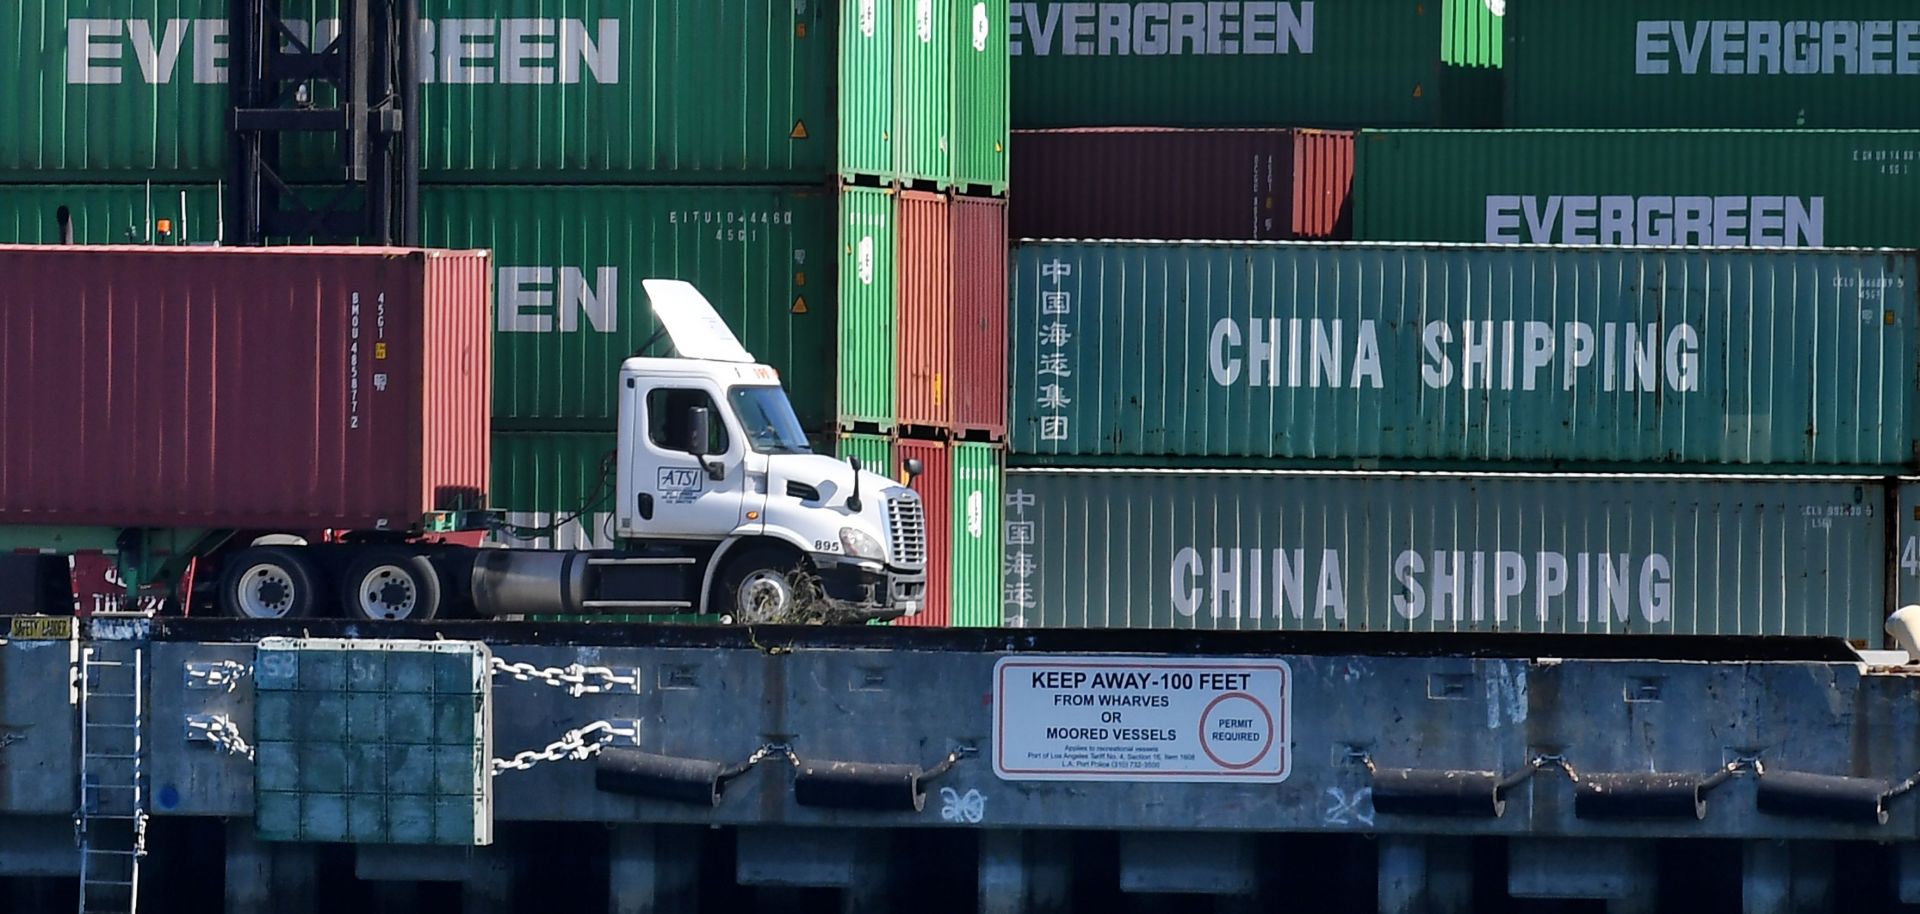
pixel 673 493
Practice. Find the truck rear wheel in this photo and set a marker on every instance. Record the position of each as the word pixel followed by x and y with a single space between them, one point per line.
pixel 269 582
pixel 389 584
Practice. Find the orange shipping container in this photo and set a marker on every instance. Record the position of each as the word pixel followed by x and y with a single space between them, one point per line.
pixel 935 486
pixel 925 367
pixel 977 228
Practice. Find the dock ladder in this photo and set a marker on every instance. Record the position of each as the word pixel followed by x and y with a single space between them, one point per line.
pixel 111 822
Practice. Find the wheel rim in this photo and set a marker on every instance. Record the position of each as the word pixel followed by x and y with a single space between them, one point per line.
pixel 764 596
pixel 265 592
pixel 388 592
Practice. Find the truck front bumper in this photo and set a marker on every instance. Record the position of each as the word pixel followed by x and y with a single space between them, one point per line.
pixel 866 589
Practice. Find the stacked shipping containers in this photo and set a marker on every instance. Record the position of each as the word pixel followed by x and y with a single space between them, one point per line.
pixel 765 153
pixel 1635 435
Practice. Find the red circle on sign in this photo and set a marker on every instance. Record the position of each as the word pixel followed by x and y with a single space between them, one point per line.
pixel 1203 732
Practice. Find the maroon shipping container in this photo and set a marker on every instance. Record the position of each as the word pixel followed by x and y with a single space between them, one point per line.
pixel 1160 183
pixel 935 485
pixel 977 228
pixel 255 388
pixel 925 360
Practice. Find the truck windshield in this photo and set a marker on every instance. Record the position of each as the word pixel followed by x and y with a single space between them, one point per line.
pixel 768 420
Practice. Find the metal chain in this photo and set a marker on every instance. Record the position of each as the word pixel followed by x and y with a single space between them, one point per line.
pixel 572 677
pixel 220 730
pixel 574 744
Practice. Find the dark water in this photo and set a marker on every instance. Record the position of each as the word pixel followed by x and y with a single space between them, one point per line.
pixel 563 869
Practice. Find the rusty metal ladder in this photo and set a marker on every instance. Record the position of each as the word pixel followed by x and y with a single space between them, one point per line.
pixel 111 822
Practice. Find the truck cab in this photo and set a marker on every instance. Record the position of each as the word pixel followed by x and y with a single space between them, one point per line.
pixel 711 452
pixel 722 506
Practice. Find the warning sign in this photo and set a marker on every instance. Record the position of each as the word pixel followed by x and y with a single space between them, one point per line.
pixel 1080 718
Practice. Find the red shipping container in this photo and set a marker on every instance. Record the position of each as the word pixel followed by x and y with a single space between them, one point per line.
pixel 254 388
pixel 978 230
pixel 1167 184
pixel 935 485
pixel 925 353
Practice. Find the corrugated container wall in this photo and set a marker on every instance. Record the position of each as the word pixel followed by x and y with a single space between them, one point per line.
pixel 866 74
pixel 980 96
pixel 924 50
pixel 1691 187
pixel 115 113
pixel 110 213
pixel 868 324
pixel 978 471
pixel 925 350
pixel 633 91
pixel 935 486
pixel 570 306
pixel 289 389
pixel 1350 64
pixel 1717 360
pixel 875 453
pixel 1698 63
pixel 1216 185
pixel 1392 552
pixel 578 90
pixel 977 229
pixel 556 488
pixel 1473 33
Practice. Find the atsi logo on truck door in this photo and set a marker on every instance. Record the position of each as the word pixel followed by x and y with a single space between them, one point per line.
pixel 680 485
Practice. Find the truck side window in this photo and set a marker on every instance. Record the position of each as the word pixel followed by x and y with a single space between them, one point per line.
pixel 667 418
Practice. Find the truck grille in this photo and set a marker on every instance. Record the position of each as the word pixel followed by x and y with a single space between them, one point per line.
pixel 907 527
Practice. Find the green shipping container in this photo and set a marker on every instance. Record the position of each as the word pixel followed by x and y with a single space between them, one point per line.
pixel 875 451
pixel 923 91
pixel 568 302
pixel 980 95
pixel 1256 354
pixel 868 308
pixel 866 74
pixel 978 473
pixel 1430 552
pixel 556 488
pixel 568 90
pixel 110 213
pixel 1648 187
pixel 1702 63
pixel 1473 33
pixel 1355 63
pixel 114 91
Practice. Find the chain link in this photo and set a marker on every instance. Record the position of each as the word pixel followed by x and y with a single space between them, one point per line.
pixel 573 745
pixel 220 730
pixel 572 677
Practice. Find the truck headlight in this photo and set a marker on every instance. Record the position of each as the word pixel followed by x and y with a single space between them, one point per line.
pixel 860 543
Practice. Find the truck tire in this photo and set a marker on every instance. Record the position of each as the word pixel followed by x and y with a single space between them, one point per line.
pixel 269 582
pixel 388 584
pixel 760 585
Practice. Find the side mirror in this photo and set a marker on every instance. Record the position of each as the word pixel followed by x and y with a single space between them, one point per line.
pixel 914 469
pixel 698 428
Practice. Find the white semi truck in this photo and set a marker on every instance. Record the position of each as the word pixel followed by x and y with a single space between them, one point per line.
pixel 720 506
